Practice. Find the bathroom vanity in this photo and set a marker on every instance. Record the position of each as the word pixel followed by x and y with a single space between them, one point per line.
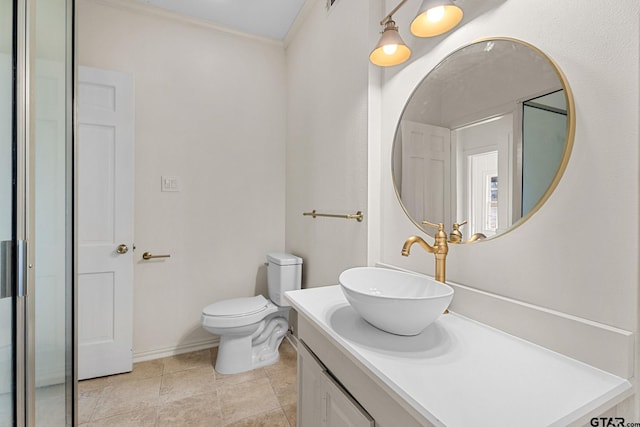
pixel 457 372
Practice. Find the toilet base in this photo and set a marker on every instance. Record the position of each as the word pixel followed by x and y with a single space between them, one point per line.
pixel 238 354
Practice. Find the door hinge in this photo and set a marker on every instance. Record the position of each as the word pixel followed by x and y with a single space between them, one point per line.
pixel 21 268
pixel 6 269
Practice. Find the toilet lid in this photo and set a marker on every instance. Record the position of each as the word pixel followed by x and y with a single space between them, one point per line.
pixel 236 306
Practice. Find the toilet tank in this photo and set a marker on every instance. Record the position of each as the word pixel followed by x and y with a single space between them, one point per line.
pixel 284 273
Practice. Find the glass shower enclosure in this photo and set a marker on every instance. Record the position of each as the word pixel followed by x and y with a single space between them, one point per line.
pixel 36 213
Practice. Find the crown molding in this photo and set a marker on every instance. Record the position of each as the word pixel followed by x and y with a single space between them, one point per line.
pixel 138 7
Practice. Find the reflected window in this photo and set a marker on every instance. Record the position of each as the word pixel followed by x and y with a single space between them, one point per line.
pixel 492 204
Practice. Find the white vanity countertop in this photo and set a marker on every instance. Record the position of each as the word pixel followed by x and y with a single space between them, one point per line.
pixel 459 372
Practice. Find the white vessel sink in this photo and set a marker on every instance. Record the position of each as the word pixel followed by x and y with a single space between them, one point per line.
pixel 395 301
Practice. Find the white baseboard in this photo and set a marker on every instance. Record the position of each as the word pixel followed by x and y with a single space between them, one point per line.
pixel 605 347
pixel 159 353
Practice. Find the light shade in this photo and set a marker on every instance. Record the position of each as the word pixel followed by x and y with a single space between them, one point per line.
pixel 435 17
pixel 390 50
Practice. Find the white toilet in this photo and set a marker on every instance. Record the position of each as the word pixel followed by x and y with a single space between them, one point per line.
pixel 252 328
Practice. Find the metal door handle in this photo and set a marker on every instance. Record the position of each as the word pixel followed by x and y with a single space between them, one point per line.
pixel 122 248
pixel 149 255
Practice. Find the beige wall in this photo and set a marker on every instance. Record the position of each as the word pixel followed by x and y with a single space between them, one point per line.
pixel 327 97
pixel 209 108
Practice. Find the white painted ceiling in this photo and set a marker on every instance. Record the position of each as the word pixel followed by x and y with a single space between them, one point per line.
pixel 266 18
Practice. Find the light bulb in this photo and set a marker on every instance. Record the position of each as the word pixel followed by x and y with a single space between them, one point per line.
pixel 390 49
pixel 435 14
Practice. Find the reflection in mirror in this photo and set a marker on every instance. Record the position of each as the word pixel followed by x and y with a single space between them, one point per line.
pixel 544 126
pixel 484 138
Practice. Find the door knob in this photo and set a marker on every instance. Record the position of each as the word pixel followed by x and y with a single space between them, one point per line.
pixel 122 248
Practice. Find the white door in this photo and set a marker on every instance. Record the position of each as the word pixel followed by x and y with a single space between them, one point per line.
pixel 105 222
pixel 426 171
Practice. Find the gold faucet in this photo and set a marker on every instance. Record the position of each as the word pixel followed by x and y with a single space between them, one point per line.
pixel 440 249
pixel 456 235
pixel 476 236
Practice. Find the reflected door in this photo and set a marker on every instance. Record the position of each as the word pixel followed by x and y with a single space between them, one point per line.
pixel 426 170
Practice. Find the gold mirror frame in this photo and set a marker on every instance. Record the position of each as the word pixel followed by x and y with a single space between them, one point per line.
pixel 566 154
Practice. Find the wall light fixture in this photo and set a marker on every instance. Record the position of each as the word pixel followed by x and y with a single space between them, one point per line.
pixel 390 50
pixel 434 17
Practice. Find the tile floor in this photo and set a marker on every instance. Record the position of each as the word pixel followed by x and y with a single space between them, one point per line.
pixel 185 390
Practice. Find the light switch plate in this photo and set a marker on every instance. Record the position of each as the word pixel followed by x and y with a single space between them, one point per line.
pixel 171 183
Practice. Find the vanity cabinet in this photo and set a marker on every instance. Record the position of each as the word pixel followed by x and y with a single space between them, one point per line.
pixel 334 391
pixel 322 401
pixel 457 373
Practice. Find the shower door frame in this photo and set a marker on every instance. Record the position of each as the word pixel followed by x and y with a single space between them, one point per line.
pixel 24 408
pixel 24 134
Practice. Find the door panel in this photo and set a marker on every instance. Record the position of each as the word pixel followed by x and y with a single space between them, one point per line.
pixel 341 410
pixel 310 380
pixel 97 192
pixel 426 172
pixel 97 310
pixel 322 401
pixel 105 221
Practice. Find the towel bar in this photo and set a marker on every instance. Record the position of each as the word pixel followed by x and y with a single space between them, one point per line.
pixel 357 216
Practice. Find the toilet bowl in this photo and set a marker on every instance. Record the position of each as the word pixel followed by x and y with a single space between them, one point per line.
pixel 252 328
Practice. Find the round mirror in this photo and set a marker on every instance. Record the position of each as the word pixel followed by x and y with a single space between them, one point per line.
pixel 483 139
